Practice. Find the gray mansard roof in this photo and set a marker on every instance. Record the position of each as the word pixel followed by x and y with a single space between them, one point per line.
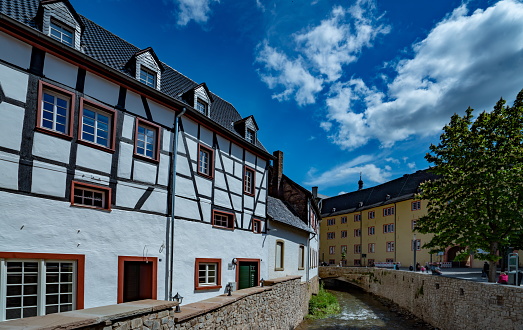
pixel 279 212
pixel 398 190
pixel 113 51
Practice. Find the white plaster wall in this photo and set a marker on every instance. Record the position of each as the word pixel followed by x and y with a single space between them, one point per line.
pixel 11 125
pixel 221 198
pixel 186 208
pixel 59 70
pixel 292 238
pixel 133 103
pixel 51 147
pixel 9 172
pixel 260 208
pixel 228 164
pixel 144 171
pixel 248 202
pixel 219 180
pixel 128 126
pixel 204 185
pixel 161 114
pixel 14 83
pixel 56 227
pixel 193 150
pixel 235 184
pixel 94 159
pixel 90 177
pixel 238 170
pixel 48 179
pixel 157 201
pixel 185 187
pixel 190 127
pixel 206 136
pixel 224 144
pixel 14 51
pixel 101 89
pixel 167 137
pixel 261 165
pixel 199 240
pixel 164 168
pixel 237 202
pixel 182 165
pixel 250 159
pixel 236 152
pixel 128 194
pixel 125 160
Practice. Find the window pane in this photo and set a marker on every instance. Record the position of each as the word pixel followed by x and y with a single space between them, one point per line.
pixel 52 278
pixel 14 290
pixel 51 288
pixel 13 302
pixel 66 308
pixel 30 289
pixel 30 278
pixel 66 267
pixel 31 267
pixel 13 313
pixel 30 301
pixel 51 309
pixel 51 299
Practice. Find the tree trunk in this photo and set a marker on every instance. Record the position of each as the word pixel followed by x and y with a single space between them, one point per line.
pixel 492 264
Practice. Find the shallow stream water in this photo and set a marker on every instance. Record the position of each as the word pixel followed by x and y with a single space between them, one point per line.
pixel 360 310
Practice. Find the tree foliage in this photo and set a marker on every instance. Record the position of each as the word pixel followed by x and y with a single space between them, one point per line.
pixel 477 202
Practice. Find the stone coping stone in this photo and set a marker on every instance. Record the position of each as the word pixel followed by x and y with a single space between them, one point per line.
pixel 190 311
pixel 89 316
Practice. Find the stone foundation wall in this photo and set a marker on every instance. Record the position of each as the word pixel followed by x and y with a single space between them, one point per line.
pixel 444 302
pixel 280 304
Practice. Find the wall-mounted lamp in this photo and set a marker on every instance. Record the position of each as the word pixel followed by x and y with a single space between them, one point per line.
pixel 178 299
pixel 228 289
pixel 234 261
pixel 261 282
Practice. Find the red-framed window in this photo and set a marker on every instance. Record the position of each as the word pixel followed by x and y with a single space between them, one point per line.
pixel 388 228
pixel 416 205
pixel 256 226
pixel 222 219
pixel 331 235
pixel 371 215
pixel 343 219
pixel 357 217
pixel 146 140
pixel 331 222
pixel 344 249
pixel 91 196
pixel 205 161
pixel 357 248
pixel 97 125
pixel 371 230
pixel 388 211
pixel 357 232
pixel 55 110
pixel 207 273
pixel 390 246
pixel 371 248
pixel 332 249
pixel 343 234
pixel 249 180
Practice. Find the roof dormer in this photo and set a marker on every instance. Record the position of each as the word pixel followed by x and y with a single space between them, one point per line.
pixel 248 128
pixel 145 66
pixel 59 20
pixel 199 98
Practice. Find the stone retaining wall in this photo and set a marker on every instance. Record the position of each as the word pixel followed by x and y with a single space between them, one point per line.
pixel 280 304
pixel 445 302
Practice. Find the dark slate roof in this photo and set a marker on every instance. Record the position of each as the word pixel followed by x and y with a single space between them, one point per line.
pixel 113 51
pixel 279 212
pixel 399 189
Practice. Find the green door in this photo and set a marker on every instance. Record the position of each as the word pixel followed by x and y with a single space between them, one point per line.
pixel 248 275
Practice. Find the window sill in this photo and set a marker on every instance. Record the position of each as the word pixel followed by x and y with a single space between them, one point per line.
pixel 147 159
pixel 220 227
pixel 279 269
pixel 210 177
pixel 208 287
pixel 53 133
pixel 96 146
pixel 91 207
pixel 301 268
pixel 248 194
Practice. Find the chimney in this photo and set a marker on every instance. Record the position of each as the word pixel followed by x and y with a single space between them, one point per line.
pixel 278 171
pixel 360 183
pixel 315 192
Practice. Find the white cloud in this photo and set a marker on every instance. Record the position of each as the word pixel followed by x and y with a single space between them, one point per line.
pixel 320 52
pixel 467 59
pixel 193 10
pixel 349 173
pixel 411 165
pixel 392 160
pixel 260 5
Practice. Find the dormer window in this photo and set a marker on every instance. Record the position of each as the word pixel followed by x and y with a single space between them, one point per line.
pixel 249 135
pixel 61 33
pixel 147 77
pixel 201 106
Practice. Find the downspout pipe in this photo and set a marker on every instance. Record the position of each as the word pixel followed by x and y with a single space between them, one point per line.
pixel 173 202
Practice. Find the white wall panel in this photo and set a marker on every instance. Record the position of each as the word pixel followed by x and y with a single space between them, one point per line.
pixel 187 208
pixel 48 179
pixel 157 201
pixel 237 202
pixel 51 147
pixel 167 137
pixel 182 166
pixel 238 169
pixel 204 185
pixel 14 83
pixel 292 238
pixel 248 202
pixel 128 127
pixel 144 171
pixel 221 198
pixel 206 211
pixel 163 171
pixel 90 177
pixel 260 209
pixel 185 187
pixel 125 160
pixel 101 89
pixel 219 180
pixel 206 136
pixel 94 159
pixel 134 104
pixel 235 185
pixel 161 114
pixel 15 51
pixel 190 127
pixel 11 125
pixel 223 143
pixel 9 172
pixel 237 152
pixel 261 165
pixel 128 194
pixel 228 164
pixel 250 159
pixel 193 149
pixel 59 70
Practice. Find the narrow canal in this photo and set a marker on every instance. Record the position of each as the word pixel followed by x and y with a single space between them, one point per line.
pixel 360 310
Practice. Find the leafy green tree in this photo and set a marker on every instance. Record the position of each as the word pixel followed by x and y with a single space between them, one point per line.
pixel 477 202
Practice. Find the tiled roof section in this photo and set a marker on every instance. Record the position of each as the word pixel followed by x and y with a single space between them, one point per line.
pixel 103 46
pixel 399 189
pixel 278 211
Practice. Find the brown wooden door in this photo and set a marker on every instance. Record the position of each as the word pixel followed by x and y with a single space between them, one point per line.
pixel 137 281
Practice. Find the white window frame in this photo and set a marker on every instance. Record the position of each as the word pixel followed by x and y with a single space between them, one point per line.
pixel 97 124
pixel 357 217
pixel 54 121
pixel 343 219
pixel 372 247
pixel 144 138
pixel 148 77
pixel 357 248
pixel 390 246
pixel 332 249
pixel 41 293
pixel 416 205
pixel 202 106
pixel 330 235
pixel 343 234
pixel 331 222
pixel 248 181
pixel 62 30
pixel 371 215
pixel 357 232
pixel 250 135
pixel 371 230
pixel 207 271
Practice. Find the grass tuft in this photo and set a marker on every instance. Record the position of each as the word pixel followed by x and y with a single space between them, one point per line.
pixel 323 305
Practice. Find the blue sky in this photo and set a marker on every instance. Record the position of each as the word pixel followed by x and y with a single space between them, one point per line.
pixel 341 87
